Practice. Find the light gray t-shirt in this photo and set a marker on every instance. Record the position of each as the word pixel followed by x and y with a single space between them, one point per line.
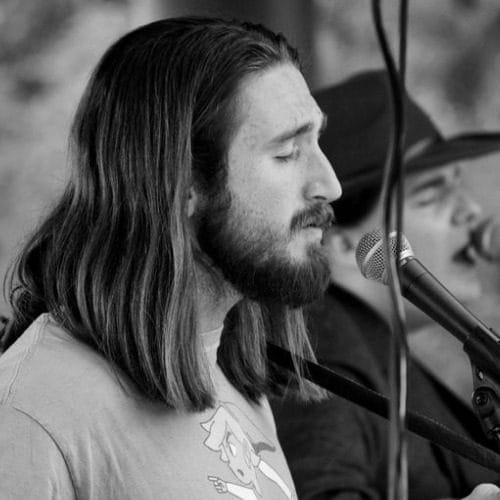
pixel 69 429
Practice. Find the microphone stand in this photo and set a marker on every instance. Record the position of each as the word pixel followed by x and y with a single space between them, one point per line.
pixel 480 342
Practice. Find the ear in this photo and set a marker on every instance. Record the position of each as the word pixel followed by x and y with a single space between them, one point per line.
pixel 193 198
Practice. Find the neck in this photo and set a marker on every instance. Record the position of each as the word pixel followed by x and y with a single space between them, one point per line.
pixel 214 300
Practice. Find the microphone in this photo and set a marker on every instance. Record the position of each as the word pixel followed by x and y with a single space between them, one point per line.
pixel 423 290
pixel 485 238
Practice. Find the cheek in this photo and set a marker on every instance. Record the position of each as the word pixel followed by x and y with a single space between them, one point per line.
pixel 264 191
pixel 430 235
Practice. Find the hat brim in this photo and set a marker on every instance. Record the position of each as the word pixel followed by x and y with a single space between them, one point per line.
pixel 461 147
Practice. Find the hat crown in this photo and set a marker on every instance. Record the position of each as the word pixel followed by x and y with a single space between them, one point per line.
pixel 360 119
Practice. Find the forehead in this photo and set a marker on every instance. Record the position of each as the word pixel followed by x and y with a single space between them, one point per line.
pixel 271 102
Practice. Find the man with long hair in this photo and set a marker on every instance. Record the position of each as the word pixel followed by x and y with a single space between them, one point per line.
pixel 198 188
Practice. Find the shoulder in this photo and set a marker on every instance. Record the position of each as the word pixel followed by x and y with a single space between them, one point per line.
pixel 26 445
pixel 339 338
pixel 52 376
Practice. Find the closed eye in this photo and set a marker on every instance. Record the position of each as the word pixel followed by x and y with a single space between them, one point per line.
pixel 428 196
pixel 293 155
pixel 435 188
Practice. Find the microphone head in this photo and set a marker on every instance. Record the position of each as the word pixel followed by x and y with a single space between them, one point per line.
pixel 370 254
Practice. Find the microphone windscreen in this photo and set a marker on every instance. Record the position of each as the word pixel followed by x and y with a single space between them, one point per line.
pixel 370 255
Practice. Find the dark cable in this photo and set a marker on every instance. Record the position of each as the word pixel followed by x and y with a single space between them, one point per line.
pixel 392 195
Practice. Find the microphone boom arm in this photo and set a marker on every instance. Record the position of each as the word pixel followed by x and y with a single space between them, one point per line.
pixel 480 342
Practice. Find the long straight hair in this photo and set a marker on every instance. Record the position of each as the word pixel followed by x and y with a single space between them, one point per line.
pixel 114 261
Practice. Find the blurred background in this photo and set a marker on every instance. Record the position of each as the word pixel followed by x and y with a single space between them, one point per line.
pixel 48 48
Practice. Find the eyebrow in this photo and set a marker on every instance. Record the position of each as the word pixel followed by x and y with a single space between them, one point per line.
pixel 433 183
pixel 436 182
pixel 301 129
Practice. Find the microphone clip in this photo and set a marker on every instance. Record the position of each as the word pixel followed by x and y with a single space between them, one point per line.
pixel 486 404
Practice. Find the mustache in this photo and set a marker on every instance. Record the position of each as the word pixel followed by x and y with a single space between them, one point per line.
pixel 320 215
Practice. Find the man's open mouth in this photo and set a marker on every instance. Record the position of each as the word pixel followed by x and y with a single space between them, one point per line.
pixel 466 255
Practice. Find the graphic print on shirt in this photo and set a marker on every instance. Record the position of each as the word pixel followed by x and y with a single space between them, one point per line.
pixel 241 451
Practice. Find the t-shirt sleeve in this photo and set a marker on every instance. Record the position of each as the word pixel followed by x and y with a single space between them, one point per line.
pixel 31 464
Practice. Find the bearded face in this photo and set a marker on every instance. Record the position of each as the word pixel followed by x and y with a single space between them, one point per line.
pixel 256 259
pixel 264 229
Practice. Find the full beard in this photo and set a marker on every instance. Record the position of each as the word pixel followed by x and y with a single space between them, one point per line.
pixel 256 261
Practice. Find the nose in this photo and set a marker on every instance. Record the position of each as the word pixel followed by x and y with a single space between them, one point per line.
pixel 468 211
pixel 323 184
